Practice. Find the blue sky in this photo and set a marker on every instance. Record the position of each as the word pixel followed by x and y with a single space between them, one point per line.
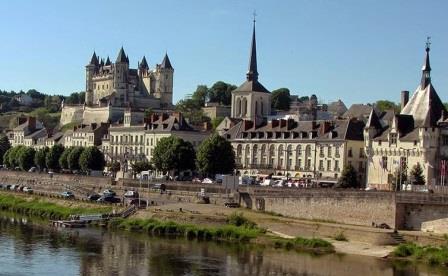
pixel 359 51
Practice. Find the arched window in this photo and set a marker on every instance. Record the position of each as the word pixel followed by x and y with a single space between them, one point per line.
pixel 299 150
pixel 238 106
pixel 263 154
pixel 256 108
pixel 239 150
pixel 244 107
pixel 308 150
pixel 271 155
pixel 255 154
pixel 261 109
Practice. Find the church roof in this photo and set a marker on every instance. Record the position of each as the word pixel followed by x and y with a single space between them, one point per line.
pixel 425 105
pixel 166 64
pixel 122 56
pixel 251 84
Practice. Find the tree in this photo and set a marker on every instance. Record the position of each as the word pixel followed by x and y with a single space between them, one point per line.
pixel 280 99
pixel 39 158
pixel 6 158
pixel 63 159
pixel 139 166
pixel 26 158
pixel 384 105
pixel 221 92
pixel 192 111
pixel 114 167
pixel 13 156
pixel 200 96
pixel 73 158
pixel 417 176
pixel 348 178
pixel 216 121
pixel 91 159
pixel 215 156
pixel 52 157
pixel 173 153
pixel 4 146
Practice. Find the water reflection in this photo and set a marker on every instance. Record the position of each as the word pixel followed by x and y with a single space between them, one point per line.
pixel 32 248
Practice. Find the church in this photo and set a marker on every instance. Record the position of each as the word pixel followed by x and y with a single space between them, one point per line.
pixel 113 87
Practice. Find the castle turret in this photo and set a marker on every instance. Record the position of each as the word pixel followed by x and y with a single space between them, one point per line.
pixel 91 69
pixel 164 82
pixel 120 76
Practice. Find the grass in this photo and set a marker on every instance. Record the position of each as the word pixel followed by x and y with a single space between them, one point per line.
pixel 304 244
pixel 428 254
pixel 340 237
pixel 169 228
pixel 45 209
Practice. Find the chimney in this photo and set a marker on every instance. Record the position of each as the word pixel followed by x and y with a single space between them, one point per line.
pixel 154 117
pixel 404 98
pixel 247 124
pixel 290 123
pixel 32 123
pixel 325 127
pixel 274 123
pixel 93 126
pixel 282 123
pixel 21 120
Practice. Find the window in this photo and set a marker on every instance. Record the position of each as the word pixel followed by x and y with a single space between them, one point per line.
pixel 384 162
pixel 299 150
pixel 361 152
pixel 321 151
pixel 321 164
pixel 336 165
pixel 328 165
pixel 445 140
pixel 308 163
pixel 329 151
pixel 393 138
pixel 336 151
pixel 350 152
pixel 379 143
pixel 360 166
pixel 299 163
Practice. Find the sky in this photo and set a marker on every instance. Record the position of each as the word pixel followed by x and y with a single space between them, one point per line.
pixel 357 51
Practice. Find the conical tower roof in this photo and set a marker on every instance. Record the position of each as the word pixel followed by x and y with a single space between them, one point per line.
pixel 166 63
pixel 122 56
pixel 94 59
pixel 144 63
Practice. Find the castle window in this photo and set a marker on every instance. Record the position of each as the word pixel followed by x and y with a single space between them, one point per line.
pixel 393 138
pixel 445 140
pixel 166 77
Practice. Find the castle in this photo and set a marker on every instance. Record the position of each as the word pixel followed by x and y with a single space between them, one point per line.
pixel 111 88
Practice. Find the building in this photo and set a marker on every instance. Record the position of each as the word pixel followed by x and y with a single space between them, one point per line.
pixel 395 143
pixel 113 87
pixel 216 110
pixel 136 139
pixel 32 133
pixel 24 99
pixel 86 135
pixel 251 100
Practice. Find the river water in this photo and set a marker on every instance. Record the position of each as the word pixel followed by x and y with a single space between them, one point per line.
pixel 32 248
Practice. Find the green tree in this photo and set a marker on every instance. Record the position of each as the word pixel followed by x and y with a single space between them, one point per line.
pixel 173 153
pixel 192 111
pixel 139 166
pixel 417 176
pixel 215 156
pixel 6 158
pixel 384 105
pixel 221 92
pixel 13 156
pixel 26 158
pixel 4 146
pixel 73 158
pixel 52 157
pixel 348 178
pixel 92 159
pixel 216 121
pixel 200 96
pixel 280 99
pixel 63 159
pixel 39 158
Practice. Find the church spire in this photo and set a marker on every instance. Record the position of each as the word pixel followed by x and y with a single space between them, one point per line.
pixel 426 69
pixel 252 73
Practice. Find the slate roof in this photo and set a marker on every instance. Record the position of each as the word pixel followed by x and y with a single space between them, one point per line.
pixel 166 63
pixel 122 56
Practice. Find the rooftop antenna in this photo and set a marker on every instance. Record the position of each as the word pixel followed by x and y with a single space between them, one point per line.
pixel 255 15
pixel 428 42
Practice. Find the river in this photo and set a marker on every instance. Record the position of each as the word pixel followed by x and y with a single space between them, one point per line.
pixel 29 247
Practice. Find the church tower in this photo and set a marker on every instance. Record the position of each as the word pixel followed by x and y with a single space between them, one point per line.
pixel 164 82
pixel 251 100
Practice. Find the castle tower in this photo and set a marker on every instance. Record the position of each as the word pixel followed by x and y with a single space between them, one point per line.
pixel 91 69
pixel 144 81
pixel 164 82
pixel 120 77
pixel 251 100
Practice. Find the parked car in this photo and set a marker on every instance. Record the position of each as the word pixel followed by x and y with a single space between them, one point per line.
pixel 207 181
pixel 131 194
pixel 13 187
pixel 7 187
pixel 159 187
pixel 28 190
pixel 67 194
pixel 32 169
pixel 93 197
pixel 109 199
pixel 138 203
pixel 109 193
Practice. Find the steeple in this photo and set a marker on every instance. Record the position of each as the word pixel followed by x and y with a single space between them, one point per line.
pixel 143 63
pixel 426 69
pixel 107 61
pixel 122 56
pixel 94 59
pixel 252 73
pixel 166 64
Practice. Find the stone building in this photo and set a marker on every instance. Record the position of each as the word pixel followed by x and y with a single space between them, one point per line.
pixel 216 110
pixel 136 139
pixel 31 133
pixel 113 87
pixel 86 135
pixel 418 135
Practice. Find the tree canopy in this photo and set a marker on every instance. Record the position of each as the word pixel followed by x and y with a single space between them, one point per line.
pixel 39 158
pixel 139 166
pixel 280 99
pixel 26 158
pixel 417 176
pixel 63 159
pixel 215 156
pixel 173 153
pixel 73 158
pixel 221 92
pixel 92 159
pixel 348 178
pixel 52 157
pixel 4 146
pixel 384 105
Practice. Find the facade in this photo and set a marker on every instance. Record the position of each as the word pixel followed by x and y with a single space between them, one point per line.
pixel 136 139
pixel 113 87
pixel 216 110
pixel 86 135
pixel 31 133
pixel 395 143
pixel 315 150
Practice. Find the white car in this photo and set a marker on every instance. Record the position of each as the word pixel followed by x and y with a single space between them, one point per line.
pixel 28 190
pixel 131 194
pixel 207 181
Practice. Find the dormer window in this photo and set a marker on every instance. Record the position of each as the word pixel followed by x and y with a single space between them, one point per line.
pixel 393 138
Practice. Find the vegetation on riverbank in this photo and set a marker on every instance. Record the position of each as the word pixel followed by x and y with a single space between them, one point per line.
pixel 42 208
pixel 427 254
pixel 304 244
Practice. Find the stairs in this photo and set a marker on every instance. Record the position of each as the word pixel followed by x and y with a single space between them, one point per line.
pixel 397 237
